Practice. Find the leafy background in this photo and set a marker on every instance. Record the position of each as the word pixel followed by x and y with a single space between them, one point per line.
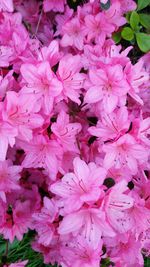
pixel 137 33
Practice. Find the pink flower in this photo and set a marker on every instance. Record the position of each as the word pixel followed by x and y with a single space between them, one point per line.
pixel 89 222
pixel 16 222
pixel 41 82
pixel 7 136
pixel 9 177
pixel 56 6
pixel 111 126
pixel 108 85
pixel 6 55
pixel 70 77
pixel 42 153
pixel 50 53
pixel 116 204
pixel 73 34
pixel 125 152
pixel 136 76
pixel 97 27
pixel 6 5
pixel 17 264
pixel 6 83
pixel 82 186
pixel 43 221
pixel 81 253
pixel 20 111
pixel 65 132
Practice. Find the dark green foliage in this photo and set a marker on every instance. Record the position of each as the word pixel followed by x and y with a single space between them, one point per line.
pixel 22 250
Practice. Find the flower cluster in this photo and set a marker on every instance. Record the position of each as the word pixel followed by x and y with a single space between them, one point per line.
pixel 74 133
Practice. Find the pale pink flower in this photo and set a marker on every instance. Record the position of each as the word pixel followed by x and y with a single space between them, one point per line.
pixel 111 126
pixel 70 77
pixel 6 5
pixel 17 264
pixel 65 132
pixel 108 86
pixel 42 82
pixel 116 204
pixel 139 214
pixel 82 186
pixel 89 222
pixel 125 152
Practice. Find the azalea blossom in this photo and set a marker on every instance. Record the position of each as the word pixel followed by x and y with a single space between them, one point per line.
pixel 125 151
pixel 41 82
pixel 91 223
pixel 82 186
pixel 7 5
pixel 65 132
pixel 74 134
pixel 70 77
pixel 108 85
pixel 9 177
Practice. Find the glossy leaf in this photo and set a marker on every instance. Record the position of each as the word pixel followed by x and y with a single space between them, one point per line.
pixel 127 33
pixel 145 20
pixel 142 4
pixel 143 41
pixel 134 20
pixel 116 37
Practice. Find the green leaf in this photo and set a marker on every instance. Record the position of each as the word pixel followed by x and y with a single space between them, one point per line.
pixel 142 4
pixel 128 17
pixel 145 20
pixel 105 6
pixel 127 33
pixel 116 37
pixel 134 20
pixel 143 41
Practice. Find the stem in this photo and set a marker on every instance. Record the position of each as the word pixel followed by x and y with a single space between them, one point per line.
pixel 38 24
